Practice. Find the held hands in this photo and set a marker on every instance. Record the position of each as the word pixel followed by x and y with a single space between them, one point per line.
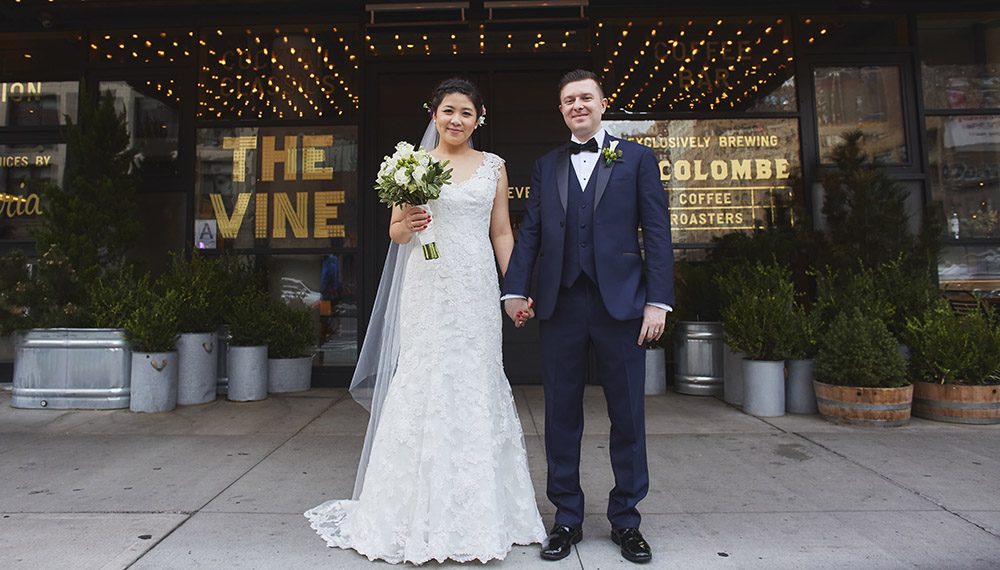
pixel 519 310
pixel 654 320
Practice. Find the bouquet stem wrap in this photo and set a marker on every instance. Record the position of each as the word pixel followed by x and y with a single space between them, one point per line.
pixel 428 243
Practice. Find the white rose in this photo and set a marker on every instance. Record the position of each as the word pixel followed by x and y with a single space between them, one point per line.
pixel 404 149
pixel 418 173
pixel 400 176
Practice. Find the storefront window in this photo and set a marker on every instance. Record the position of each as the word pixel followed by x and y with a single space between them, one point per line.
pixel 37 103
pixel 277 188
pixel 970 267
pixel 723 175
pixel 964 155
pixel 327 283
pixel 280 73
pixel 156 47
pixel 960 63
pixel 865 98
pixel 20 201
pixel 714 64
pixel 152 109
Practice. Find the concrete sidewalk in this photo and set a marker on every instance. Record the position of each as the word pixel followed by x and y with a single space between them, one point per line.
pixel 224 485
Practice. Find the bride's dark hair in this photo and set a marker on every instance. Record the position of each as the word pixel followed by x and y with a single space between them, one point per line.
pixel 457 85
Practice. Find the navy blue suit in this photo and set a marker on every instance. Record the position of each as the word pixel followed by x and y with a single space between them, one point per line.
pixel 592 287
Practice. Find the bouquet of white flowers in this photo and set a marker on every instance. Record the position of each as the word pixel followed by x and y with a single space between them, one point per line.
pixel 413 177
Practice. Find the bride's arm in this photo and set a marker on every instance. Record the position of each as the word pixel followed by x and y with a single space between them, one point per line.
pixel 500 232
pixel 403 219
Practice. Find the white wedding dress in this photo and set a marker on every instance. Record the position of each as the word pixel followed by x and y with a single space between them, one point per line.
pixel 448 475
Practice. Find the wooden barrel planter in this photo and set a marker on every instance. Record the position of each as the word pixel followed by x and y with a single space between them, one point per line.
pixel 958 404
pixel 865 406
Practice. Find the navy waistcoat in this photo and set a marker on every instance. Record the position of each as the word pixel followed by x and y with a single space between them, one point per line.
pixel 579 254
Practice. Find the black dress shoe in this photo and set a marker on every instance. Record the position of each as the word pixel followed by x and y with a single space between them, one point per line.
pixel 560 541
pixel 634 547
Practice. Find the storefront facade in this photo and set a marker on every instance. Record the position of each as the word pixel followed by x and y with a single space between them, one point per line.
pixel 262 124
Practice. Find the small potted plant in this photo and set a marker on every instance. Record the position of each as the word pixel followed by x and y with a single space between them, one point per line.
pixel 250 326
pixel 196 280
pixel 860 375
pixel 290 346
pixel 800 395
pixel 955 365
pixel 757 316
pixel 151 330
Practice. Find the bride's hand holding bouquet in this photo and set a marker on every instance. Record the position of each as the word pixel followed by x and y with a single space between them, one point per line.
pixel 412 178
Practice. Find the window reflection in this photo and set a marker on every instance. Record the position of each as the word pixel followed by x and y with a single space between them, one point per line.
pixel 866 98
pixel 327 284
pixel 37 103
pixel 964 153
pixel 151 108
pixel 960 63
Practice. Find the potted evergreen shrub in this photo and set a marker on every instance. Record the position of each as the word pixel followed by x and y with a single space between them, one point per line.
pixel 698 339
pixel 84 230
pixel 289 347
pixel 250 326
pixel 151 330
pixel 955 365
pixel 757 316
pixel 196 281
pixel 800 395
pixel 860 375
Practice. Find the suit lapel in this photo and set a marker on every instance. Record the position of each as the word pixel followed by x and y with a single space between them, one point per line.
pixel 603 173
pixel 562 174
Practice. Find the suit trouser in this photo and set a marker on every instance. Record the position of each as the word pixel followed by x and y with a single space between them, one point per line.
pixel 581 321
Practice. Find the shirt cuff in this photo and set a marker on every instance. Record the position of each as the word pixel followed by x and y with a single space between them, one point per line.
pixel 512 296
pixel 666 308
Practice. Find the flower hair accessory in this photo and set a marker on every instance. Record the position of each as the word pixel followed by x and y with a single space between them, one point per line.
pixel 482 118
pixel 610 154
pixel 427 107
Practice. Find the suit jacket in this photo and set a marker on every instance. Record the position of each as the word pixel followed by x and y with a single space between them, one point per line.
pixel 629 194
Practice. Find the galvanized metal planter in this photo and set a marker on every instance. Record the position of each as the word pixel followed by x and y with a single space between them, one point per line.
pixel 656 371
pixel 68 368
pixel 764 387
pixel 732 373
pixel 289 374
pixel 800 394
pixel 154 381
pixel 698 349
pixel 197 374
pixel 247 373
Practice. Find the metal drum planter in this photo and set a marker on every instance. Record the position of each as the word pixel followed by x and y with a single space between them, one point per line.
pixel 698 350
pixel 197 368
pixel 289 374
pixel 957 404
pixel 247 373
pixel 865 406
pixel 72 368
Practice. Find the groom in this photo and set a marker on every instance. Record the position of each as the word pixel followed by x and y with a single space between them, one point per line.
pixel 588 200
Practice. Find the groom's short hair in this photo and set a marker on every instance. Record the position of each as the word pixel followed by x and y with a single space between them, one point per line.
pixel 580 75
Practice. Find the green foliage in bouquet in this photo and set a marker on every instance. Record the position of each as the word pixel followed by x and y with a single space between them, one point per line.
pixel 152 324
pixel 757 310
pixel 293 332
pixel 948 348
pixel 92 218
pixel 199 281
pixel 47 294
pixel 249 318
pixel 410 177
pixel 858 350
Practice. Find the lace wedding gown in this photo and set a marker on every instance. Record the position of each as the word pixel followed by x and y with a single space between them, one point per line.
pixel 448 474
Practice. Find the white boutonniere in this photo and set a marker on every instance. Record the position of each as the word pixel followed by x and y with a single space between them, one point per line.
pixel 610 153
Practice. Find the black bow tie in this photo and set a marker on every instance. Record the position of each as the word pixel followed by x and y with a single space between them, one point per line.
pixel 590 146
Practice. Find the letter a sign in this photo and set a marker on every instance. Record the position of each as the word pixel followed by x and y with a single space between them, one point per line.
pixel 205 236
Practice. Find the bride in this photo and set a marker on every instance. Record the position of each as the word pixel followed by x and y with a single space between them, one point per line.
pixel 444 472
